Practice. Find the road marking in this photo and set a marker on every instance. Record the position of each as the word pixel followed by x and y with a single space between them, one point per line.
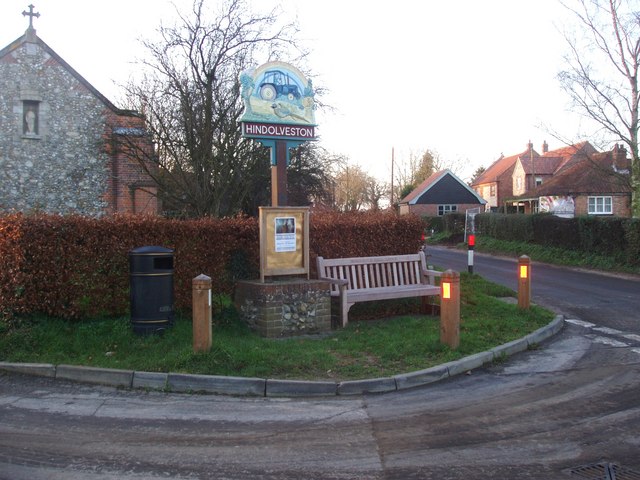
pixel 609 341
pixel 581 323
pixel 608 331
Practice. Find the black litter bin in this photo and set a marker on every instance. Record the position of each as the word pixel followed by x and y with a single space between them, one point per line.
pixel 151 287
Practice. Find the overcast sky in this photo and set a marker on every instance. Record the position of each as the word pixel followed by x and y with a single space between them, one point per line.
pixel 469 79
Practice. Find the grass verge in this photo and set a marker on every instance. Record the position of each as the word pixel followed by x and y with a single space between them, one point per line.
pixel 552 255
pixel 365 349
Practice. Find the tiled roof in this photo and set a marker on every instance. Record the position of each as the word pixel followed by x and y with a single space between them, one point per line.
pixel 540 165
pixel 545 164
pixel 498 168
pixel 587 174
pixel 571 150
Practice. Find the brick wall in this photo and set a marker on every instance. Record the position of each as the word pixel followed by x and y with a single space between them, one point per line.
pixel 431 210
pixel 621 205
pixel 130 188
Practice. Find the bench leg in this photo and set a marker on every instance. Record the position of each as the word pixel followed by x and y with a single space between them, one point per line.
pixel 344 307
pixel 344 311
pixel 427 306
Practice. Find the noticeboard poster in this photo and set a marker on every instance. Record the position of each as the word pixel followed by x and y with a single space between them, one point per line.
pixel 285 236
pixel 284 241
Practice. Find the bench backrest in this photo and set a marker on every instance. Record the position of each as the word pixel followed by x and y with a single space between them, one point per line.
pixel 373 272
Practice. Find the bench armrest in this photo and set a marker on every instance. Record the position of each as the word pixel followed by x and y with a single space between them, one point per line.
pixel 431 276
pixel 338 281
pixel 432 273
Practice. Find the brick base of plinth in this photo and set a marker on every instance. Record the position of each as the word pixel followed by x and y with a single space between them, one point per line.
pixel 285 308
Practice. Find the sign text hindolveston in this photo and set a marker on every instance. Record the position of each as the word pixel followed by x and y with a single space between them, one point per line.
pixel 255 129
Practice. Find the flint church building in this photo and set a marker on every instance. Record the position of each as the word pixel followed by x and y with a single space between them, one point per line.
pixel 64 147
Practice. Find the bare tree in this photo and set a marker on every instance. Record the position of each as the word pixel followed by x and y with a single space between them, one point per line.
pixel 190 95
pixel 350 188
pixel 602 74
pixel 375 191
pixel 355 189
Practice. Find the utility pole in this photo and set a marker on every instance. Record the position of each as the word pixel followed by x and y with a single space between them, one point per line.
pixel 392 162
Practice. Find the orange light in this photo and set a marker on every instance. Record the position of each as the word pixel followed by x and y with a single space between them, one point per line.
pixel 524 271
pixel 446 290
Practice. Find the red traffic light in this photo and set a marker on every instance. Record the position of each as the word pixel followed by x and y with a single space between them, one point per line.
pixel 471 240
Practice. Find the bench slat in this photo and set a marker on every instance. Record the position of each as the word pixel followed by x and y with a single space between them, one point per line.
pixel 387 293
pixel 371 260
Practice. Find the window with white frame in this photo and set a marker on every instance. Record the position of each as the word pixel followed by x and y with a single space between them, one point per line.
pixel 600 206
pixel 443 209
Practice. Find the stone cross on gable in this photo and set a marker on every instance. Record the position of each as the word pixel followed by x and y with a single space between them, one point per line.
pixel 30 14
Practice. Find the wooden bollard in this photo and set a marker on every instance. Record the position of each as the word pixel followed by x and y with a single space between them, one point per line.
pixel 450 309
pixel 201 313
pixel 524 282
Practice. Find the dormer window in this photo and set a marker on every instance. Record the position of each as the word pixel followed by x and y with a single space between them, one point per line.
pixel 31 117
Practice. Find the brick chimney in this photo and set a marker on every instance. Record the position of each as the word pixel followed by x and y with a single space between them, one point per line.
pixel 620 157
pixel 545 147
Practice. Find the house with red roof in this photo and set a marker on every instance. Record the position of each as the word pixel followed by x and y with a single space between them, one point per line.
pixel 441 193
pixel 505 183
pixel 496 182
pixel 572 180
pixel 590 183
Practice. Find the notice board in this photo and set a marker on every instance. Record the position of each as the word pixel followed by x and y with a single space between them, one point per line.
pixel 284 241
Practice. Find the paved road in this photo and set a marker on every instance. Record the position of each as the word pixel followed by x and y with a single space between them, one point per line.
pixel 606 299
pixel 542 414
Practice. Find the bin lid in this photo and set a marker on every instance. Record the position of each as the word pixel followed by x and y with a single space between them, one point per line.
pixel 150 250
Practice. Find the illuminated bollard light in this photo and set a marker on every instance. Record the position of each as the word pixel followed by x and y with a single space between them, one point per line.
pixel 450 309
pixel 201 294
pixel 524 282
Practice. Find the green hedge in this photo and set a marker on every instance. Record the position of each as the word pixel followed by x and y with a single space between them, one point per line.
pixel 77 267
pixel 609 236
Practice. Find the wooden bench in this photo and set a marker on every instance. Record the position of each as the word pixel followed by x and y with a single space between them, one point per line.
pixel 363 279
